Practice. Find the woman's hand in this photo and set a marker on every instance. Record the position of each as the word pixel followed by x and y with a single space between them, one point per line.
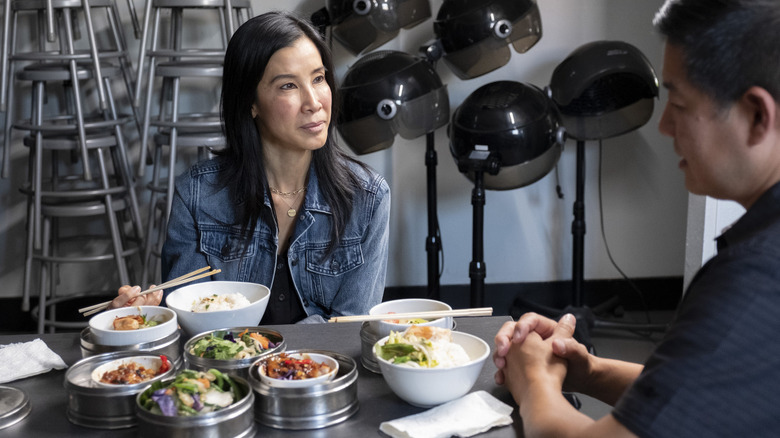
pixel 128 296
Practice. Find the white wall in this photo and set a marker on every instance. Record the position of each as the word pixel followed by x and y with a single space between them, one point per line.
pixel 527 231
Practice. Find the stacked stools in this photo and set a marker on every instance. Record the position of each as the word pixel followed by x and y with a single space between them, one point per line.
pixel 171 64
pixel 82 206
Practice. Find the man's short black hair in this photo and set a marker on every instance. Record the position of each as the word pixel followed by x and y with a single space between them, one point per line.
pixel 728 45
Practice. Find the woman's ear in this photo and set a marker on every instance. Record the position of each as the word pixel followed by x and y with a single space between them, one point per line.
pixel 763 112
pixel 254 111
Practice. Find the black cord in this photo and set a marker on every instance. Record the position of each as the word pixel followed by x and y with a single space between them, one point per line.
pixel 639 293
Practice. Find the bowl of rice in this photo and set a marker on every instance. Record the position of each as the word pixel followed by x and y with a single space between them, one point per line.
pixel 212 305
pixel 428 366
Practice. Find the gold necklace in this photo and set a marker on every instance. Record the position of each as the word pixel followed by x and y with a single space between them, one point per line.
pixel 286 194
pixel 292 211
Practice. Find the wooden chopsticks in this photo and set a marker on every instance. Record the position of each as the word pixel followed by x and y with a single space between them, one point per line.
pixel 434 314
pixel 186 278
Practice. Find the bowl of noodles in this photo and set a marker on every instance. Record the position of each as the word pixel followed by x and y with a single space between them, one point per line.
pixel 231 350
pixel 212 305
pixel 428 366
pixel 384 327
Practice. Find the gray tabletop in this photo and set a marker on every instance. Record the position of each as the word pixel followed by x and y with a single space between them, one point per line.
pixel 377 402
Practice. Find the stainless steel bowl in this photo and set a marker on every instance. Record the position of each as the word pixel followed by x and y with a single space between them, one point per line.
pixel 235 420
pixel 238 367
pixel 169 345
pixel 100 406
pixel 368 338
pixel 312 407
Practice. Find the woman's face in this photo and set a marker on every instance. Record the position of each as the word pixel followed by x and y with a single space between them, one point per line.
pixel 293 102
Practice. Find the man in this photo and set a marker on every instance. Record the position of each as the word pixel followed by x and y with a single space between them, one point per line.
pixel 717 370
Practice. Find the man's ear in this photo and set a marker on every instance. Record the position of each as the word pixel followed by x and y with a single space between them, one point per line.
pixel 762 111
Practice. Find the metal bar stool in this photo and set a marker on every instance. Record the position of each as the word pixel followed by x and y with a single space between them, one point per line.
pixel 204 141
pixel 67 196
pixel 175 130
pixel 61 133
pixel 67 13
pixel 156 49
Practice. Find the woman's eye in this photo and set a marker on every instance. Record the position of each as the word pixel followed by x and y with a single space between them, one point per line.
pixel 288 86
pixel 319 79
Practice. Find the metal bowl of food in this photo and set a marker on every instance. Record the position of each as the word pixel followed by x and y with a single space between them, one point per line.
pixel 97 403
pixel 196 404
pixel 231 350
pixel 309 407
pixel 169 346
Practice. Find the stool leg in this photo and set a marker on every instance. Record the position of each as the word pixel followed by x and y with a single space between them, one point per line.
pixel 112 222
pixel 124 169
pixel 5 52
pixel 95 57
pixel 28 257
pixel 142 52
pixel 149 90
pixel 45 266
pixel 172 152
pixel 77 94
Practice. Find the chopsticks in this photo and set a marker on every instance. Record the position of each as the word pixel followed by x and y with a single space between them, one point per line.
pixel 434 314
pixel 186 278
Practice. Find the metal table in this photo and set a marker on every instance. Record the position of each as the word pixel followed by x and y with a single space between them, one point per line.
pixel 377 402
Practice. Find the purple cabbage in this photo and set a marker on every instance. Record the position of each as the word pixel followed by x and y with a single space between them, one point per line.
pixel 165 402
pixel 229 337
pixel 197 405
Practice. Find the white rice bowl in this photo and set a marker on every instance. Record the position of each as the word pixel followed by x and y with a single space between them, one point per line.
pixel 181 301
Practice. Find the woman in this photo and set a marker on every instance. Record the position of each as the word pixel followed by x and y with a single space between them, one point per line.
pixel 282 205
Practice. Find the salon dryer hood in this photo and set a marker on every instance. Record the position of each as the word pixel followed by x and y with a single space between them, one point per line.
pixel 509 130
pixel 386 93
pixel 604 89
pixel 364 25
pixel 475 35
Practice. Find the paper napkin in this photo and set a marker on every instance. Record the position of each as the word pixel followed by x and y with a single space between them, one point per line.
pixel 26 359
pixel 469 415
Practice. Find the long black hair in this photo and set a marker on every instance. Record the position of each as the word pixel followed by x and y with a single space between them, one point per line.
pixel 246 58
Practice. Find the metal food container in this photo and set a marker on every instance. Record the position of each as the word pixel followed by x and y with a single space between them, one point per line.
pixel 102 406
pixel 311 407
pixel 235 421
pixel 238 367
pixel 169 345
pixel 368 338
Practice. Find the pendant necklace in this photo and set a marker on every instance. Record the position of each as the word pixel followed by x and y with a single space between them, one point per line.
pixel 292 211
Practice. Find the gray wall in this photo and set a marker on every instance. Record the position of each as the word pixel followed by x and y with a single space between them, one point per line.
pixel 527 232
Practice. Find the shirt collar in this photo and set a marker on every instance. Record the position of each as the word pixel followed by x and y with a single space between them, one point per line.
pixel 764 211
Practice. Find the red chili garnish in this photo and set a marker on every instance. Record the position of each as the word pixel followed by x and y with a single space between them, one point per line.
pixel 165 366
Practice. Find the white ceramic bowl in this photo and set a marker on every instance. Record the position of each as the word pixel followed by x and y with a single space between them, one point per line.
pixel 102 326
pixel 382 328
pixel 427 387
pixel 148 362
pixel 316 357
pixel 193 323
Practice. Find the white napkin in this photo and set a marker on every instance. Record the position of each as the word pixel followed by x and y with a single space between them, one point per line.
pixel 26 359
pixel 469 415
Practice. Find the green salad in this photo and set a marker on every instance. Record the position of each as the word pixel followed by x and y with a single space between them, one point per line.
pixel 191 393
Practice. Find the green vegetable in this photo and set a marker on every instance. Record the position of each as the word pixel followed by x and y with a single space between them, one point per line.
pixel 214 347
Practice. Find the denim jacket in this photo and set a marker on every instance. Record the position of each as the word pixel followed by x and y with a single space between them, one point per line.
pixel 203 230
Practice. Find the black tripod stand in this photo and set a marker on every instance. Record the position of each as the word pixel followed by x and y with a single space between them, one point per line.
pixel 586 316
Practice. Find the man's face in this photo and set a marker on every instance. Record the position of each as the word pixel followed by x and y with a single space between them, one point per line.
pixel 706 137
